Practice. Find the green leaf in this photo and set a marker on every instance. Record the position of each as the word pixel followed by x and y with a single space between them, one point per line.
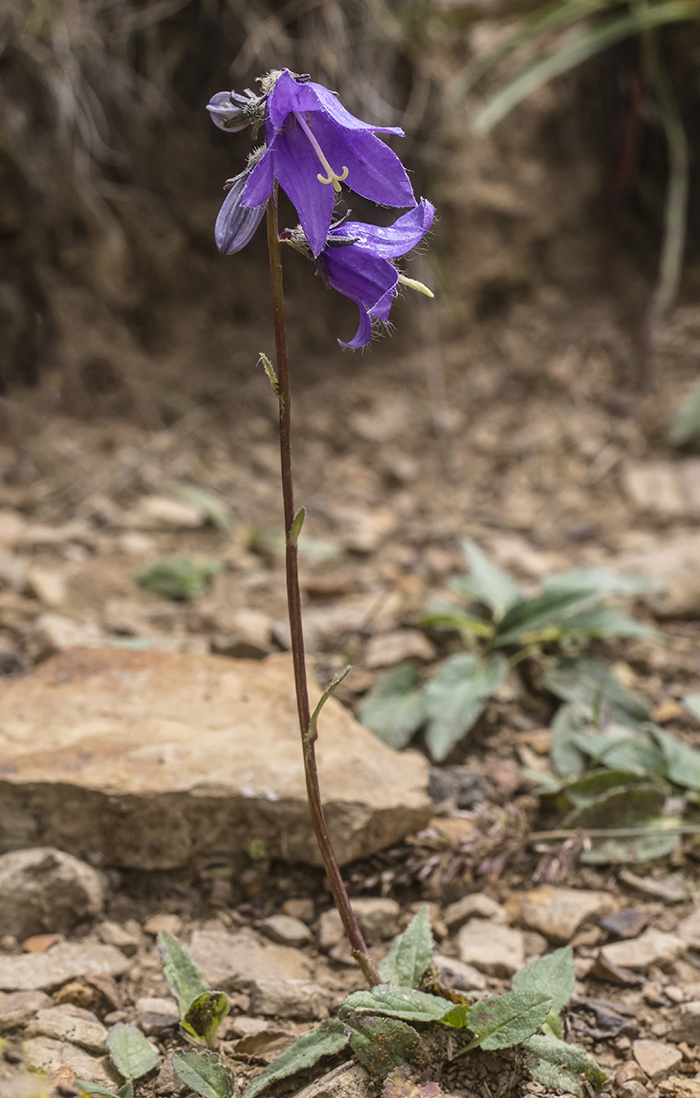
pixel 621 748
pixel 683 762
pixel 456 696
pixel 297 523
pixel 132 1055
pixel 209 504
pixel 566 758
pixel 486 582
pixel 325 1040
pixel 410 953
pixel 380 1044
pixel 504 1020
pixel 591 786
pixel 551 975
pixel 594 687
pixel 184 978
pixel 327 693
pixel 600 582
pixel 692 704
pixel 178 579
pixel 202 1073
pixel 556 1078
pixel 394 708
pixel 550 610
pixel 397 1002
pixel 205 1014
pixel 605 621
pixel 685 425
pixel 639 806
pixel 585 44
pixel 568 1059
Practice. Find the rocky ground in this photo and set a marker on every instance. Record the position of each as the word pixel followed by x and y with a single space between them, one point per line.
pixel 536 439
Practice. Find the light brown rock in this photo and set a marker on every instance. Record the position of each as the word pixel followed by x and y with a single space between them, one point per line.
pixel 17 1007
pixel 653 947
pixel 155 1015
pixel 389 649
pixel 44 889
pixel 238 961
pixel 286 930
pixel 297 999
pixel 165 513
pixel 689 929
pixel 686 1026
pixel 656 1058
pixel 474 906
pixel 31 971
pixel 172 924
pixel 492 948
pixel 347 1081
pixel 378 918
pixel 678 1087
pixel 130 758
pixel 656 487
pixel 458 975
pixel 46 1054
pixel 114 934
pixel 558 912
pixel 70 1023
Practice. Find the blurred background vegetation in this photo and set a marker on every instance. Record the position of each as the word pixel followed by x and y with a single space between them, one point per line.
pixel 559 144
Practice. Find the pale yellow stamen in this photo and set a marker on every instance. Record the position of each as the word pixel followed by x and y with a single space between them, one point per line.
pixel 415 285
pixel 330 176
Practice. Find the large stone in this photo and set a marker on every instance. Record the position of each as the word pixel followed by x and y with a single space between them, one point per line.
pixel 67 960
pixel 239 961
pixel 653 947
pixel 46 1054
pixel 46 889
pixel 70 1023
pixel 298 999
pixel 686 1027
pixel 558 912
pixel 491 947
pixel 147 759
pixel 656 1058
pixel 17 1007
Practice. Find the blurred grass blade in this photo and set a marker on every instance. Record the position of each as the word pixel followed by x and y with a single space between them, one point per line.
pixel 685 425
pixel 578 49
pixel 675 213
pixel 546 20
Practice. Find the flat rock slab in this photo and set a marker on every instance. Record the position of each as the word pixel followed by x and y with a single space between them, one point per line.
pixel 236 962
pixel 45 971
pixel 147 760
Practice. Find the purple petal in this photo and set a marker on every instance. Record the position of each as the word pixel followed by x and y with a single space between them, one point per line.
pixel 261 182
pixel 382 308
pixel 236 224
pixel 287 95
pixel 296 167
pixel 363 334
pixel 374 170
pixel 392 240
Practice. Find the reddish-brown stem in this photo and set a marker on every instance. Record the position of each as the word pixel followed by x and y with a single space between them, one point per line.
pixel 308 736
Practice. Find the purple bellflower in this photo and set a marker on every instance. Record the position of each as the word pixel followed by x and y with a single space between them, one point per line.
pixel 236 224
pixel 356 262
pixel 307 129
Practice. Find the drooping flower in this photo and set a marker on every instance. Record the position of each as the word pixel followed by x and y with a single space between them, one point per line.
pixel 356 262
pixel 307 129
pixel 233 111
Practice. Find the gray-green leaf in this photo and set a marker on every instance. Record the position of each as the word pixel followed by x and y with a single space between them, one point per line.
pixel 594 687
pixel 486 582
pixel 380 1044
pixel 202 1072
pixel 86 1087
pixel 177 578
pixel 683 761
pixel 397 1002
pixel 551 975
pixel 549 610
pixel 209 504
pixel 567 1060
pixel 410 953
pixel 132 1055
pixel 184 978
pixel 504 1020
pixel 456 696
pixel 325 1040
pixel 395 707
pixel 601 582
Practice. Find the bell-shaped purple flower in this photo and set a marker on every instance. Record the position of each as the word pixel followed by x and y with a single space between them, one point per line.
pixel 312 146
pixel 356 262
pixel 236 224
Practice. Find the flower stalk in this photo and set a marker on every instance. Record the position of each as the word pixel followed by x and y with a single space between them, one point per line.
pixel 291 528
